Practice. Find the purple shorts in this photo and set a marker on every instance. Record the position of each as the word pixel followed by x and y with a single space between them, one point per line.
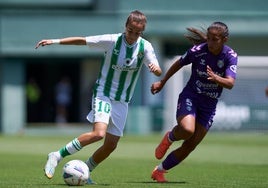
pixel 203 108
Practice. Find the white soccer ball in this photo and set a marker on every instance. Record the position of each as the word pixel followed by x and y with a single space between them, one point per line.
pixel 75 172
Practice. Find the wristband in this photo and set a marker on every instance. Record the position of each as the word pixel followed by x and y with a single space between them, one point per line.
pixel 55 41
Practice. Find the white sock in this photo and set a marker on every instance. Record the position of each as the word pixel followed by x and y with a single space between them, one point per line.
pixel 73 146
pixel 160 167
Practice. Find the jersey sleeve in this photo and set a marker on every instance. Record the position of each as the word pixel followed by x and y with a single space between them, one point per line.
pixel 232 64
pixel 186 57
pixel 101 41
pixel 149 54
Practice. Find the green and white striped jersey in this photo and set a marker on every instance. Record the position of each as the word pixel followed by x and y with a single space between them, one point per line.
pixel 121 66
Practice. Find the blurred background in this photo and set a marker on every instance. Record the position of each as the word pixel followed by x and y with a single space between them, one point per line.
pixel 49 89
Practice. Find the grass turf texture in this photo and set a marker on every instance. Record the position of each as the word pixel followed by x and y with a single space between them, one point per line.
pixel 231 160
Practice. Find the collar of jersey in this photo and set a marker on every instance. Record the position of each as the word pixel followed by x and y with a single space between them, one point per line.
pixel 130 46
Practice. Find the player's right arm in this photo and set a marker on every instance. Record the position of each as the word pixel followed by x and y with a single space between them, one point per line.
pixel 157 86
pixel 63 41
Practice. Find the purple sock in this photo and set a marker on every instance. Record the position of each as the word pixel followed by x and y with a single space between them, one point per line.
pixel 170 161
pixel 171 136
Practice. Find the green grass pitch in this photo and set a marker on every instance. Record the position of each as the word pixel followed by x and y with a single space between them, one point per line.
pixel 222 160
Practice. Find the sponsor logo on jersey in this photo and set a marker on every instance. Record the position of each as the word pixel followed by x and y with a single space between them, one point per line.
pixel 201 54
pixel 201 73
pixel 124 68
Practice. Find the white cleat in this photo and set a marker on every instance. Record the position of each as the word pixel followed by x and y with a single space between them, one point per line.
pixel 52 162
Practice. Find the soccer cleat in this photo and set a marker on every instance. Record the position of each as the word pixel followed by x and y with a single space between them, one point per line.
pixel 90 182
pixel 162 148
pixel 52 162
pixel 158 175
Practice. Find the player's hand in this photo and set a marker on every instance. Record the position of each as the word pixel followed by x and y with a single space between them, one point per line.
pixel 155 69
pixel 211 75
pixel 152 67
pixel 43 43
pixel 156 87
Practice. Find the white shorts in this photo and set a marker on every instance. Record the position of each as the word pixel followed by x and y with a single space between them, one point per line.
pixel 103 108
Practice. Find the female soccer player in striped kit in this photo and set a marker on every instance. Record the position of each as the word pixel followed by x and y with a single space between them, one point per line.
pixel 213 68
pixel 125 53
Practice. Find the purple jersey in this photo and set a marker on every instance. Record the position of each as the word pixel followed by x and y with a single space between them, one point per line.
pixel 223 65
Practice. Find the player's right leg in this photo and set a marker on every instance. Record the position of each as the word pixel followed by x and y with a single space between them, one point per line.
pixel 55 157
pixel 163 146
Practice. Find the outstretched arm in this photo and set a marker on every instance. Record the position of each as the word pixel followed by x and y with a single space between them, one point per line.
pixel 157 86
pixel 64 41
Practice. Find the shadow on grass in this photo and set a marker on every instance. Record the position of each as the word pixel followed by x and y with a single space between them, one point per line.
pixel 170 182
pixel 65 185
pixel 148 183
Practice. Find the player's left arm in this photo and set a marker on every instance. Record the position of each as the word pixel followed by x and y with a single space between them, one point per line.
pixel 226 82
pixel 150 59
pixel 155 69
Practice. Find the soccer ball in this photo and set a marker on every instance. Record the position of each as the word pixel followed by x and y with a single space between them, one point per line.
pixel 75 172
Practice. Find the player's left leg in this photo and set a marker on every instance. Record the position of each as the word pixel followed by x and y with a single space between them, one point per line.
pixel 109 145
pixel 113 134
pixel 189 145
pixel 203 123
pixel 178 155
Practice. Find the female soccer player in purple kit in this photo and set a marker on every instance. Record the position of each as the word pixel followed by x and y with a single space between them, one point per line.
pixel 213 68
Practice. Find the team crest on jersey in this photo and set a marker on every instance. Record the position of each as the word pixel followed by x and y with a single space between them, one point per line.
pixel 140 55
pixel 220 63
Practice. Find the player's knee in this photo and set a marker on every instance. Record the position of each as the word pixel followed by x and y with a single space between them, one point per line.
pixel 99 135
pixel 187 132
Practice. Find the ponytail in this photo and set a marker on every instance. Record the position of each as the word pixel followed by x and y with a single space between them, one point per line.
pixel 197 36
